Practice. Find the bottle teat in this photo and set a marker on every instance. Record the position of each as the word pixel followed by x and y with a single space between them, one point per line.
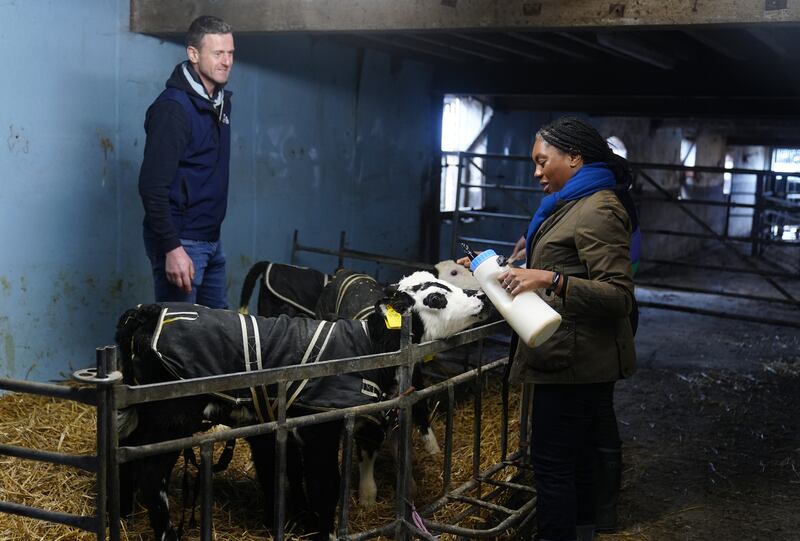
pixel 469 251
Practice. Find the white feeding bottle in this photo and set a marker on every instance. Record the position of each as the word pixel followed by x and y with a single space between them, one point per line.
pixel 527 313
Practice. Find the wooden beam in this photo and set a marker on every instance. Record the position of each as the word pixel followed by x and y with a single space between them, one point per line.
pixel 164 17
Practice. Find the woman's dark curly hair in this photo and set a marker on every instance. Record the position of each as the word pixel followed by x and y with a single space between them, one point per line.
pixel 574 136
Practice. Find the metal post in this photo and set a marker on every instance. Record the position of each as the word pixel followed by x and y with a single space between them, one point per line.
pixel 476 433
pixel 292 259
pixel 347 466
pixel 112 444
pixel 402 511
pixel 755 231
pixel 342 244
pixel 101 361
pixel 456 210
pixel 206 462
pixel 448 439
pixel 281 435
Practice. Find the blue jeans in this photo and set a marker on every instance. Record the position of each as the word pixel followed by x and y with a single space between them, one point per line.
pixel 208 286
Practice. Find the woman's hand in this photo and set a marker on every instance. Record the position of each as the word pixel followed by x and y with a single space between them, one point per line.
pixel 515 281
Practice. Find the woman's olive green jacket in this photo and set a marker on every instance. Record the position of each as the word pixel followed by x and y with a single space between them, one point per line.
pixel 588 240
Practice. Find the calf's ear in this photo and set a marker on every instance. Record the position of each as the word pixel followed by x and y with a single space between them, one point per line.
pixel 401 301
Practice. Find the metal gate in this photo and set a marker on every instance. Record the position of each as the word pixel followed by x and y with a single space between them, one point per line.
pixel 777 203
pixel 485 492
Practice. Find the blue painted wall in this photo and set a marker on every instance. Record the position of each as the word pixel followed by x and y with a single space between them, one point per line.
pixel 325 139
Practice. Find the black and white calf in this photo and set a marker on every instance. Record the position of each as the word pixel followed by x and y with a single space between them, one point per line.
pixel 163 342
pixel 293 290
pixel 353 295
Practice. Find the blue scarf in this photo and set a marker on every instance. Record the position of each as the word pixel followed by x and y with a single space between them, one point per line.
pixel 590 178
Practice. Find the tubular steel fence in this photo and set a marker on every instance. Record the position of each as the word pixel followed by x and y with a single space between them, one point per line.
pixel 773 208
pixel 483 492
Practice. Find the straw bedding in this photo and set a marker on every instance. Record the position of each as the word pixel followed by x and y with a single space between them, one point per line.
pixel 64 426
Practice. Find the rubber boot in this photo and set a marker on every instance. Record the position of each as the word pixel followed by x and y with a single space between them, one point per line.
pixel 608 478
pixel 585 532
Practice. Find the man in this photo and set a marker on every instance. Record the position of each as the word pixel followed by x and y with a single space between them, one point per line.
pixel 183 181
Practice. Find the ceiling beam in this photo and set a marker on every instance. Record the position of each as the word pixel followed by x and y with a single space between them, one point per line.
pixel 493 43
pixel 779 108
pixel 637 50
pixel 549 44
pixel 163 17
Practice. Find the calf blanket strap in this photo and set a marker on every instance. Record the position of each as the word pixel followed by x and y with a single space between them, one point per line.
pixel 193 341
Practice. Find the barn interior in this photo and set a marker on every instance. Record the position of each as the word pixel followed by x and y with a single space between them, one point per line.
pixel 399 129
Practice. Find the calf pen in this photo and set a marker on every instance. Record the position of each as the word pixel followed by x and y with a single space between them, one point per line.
pixel 476 505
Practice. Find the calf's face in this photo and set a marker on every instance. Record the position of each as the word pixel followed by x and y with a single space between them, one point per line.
pixel 444 309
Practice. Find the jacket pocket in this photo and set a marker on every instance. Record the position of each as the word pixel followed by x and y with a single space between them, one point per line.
pixel 558 352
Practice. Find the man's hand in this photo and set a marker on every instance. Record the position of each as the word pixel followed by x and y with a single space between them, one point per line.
pixel 180 269
pixel 518 252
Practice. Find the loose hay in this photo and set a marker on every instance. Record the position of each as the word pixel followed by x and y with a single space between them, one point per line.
pixel 64 426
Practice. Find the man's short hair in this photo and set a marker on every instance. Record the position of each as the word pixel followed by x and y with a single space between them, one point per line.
pixel 205 24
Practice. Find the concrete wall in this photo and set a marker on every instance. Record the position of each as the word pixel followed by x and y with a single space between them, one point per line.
pixel 324 139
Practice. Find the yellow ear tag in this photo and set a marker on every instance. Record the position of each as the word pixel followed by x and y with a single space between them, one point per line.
pixel 393 319
pixel 428 358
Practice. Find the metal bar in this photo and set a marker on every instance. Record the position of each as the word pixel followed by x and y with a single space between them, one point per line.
pixel 293 257
pixel 101 437
pixel 112 443
pixel 634 165
pixel 457 208
pixel 448 440
pixel 722 268
pixel 724 315
pixel 708 228
pixel 755 227
pixel 510 485
pixel 504 420
pixel 347 467
pixel 490 242
pixel 476 428
pixel 83 462
pixel 486 505
pixel 470 533
pixel 674 233
pixel 88 524
pixel 342 243
pixel 505 187
pixel 84 395
pixel 499 215
pixel 524 417
pixel 357 254
pixel 127 395
pixel 281 438
pixel 402 490
pixel 711 292
pixel 207 462
pixel 700 202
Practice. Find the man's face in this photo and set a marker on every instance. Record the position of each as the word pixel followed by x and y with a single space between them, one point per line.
pixel 213 60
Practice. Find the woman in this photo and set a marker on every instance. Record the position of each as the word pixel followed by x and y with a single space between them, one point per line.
pixel 578 251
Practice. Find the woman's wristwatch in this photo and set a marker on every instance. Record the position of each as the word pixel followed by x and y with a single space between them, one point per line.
pixel 554 284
